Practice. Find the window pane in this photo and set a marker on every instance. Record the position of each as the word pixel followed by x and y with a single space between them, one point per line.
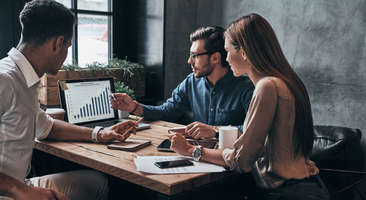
pixel 96 5
pixel 92 39
pixel 67 3
pixel 68 59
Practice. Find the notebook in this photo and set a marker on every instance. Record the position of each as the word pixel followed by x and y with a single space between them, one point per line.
pixel 181 130
pixel 86 102
pixel 130 144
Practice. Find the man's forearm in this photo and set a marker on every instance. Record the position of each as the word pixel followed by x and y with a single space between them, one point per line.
pixel 65 131
pixel 9 186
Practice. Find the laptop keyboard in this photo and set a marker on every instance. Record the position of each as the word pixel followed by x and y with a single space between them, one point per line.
pixel 103 124
pixel 113 122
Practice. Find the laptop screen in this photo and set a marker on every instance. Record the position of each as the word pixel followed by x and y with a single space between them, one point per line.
pixel 87 100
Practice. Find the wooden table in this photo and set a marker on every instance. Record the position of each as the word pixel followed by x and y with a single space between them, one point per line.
pixel 123 166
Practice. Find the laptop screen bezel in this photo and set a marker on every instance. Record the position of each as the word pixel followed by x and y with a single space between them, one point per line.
pixel 63 102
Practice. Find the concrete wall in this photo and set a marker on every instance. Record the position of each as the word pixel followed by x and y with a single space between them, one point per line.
pixel 324 41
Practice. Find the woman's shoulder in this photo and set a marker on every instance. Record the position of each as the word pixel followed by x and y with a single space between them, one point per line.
pixel 271 81
pixel 268 82
pixel 273 84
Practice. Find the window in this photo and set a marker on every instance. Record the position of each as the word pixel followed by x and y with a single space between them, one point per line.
pixel 92 35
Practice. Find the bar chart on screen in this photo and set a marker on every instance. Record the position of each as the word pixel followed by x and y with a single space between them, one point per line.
pixel 88 101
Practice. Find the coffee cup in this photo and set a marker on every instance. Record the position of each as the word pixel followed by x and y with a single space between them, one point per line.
pixel 56 113
pixel 227 137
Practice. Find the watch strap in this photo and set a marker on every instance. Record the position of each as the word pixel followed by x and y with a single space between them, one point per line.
pixel 216 130
pixel 136 106
pixel 95 133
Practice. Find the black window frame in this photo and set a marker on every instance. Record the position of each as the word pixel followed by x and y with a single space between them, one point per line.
pixel 109 14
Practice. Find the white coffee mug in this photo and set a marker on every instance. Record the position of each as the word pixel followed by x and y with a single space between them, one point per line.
pixel 123 114
pixel 56 113
pixel 227 136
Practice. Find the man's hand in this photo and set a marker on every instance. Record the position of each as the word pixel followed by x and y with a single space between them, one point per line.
pixel 123 102
pixel 180 145
pixel 199 130
pixel 31 193
pixel 115 132
pixel 15 189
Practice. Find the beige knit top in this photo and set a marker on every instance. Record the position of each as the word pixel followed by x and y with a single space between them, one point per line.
pixel 265 148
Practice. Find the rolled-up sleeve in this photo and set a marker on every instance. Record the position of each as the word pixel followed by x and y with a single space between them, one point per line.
pixel 44 125
pixel 249 146
pixel 173 108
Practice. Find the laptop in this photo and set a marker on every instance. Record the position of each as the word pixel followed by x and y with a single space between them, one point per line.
pixel 86 102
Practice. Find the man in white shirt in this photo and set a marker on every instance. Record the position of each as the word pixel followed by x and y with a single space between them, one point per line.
pixel 47 29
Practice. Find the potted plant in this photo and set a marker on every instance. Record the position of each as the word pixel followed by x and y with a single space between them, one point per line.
pixel 120 87
pixel 131 74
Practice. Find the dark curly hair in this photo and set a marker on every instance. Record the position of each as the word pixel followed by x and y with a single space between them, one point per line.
pixel 43 19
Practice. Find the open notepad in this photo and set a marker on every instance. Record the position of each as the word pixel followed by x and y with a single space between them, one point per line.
pixel 130 144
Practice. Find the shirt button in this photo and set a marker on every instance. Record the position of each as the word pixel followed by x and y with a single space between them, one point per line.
pixel 211 109
pixel 213 92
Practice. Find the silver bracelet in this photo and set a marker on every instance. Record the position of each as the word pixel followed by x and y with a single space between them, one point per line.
pixel 95 133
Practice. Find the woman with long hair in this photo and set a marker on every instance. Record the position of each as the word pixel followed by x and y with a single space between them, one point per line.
pixel 278 132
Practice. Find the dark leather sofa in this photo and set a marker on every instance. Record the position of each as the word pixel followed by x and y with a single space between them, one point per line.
pixel 338 154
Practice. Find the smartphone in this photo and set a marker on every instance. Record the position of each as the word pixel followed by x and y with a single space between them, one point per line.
pixel 165 144
pixel 173 163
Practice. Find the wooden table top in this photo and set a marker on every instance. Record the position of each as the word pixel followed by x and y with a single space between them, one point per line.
pixel 122 165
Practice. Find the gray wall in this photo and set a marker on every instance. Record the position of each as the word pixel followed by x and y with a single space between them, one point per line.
pixel 324 41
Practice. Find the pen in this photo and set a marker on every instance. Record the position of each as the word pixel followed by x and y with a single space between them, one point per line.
pixel 112 93
pixel 125 133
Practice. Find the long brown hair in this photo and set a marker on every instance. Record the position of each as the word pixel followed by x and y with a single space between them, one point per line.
pixel 259 42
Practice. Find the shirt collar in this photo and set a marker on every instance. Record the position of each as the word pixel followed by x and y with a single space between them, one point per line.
pixel 25 67
pixel 225 80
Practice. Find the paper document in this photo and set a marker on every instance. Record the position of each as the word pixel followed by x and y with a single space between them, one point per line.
pixel 146 164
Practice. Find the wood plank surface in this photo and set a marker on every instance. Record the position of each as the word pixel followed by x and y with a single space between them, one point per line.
pixel 121 163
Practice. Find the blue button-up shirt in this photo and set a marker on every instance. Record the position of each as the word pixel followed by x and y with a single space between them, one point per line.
pixel 222 104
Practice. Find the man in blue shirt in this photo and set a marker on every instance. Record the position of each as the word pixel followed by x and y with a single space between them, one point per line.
pixel 214 95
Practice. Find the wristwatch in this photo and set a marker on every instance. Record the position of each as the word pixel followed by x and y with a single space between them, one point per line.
pixel 197 153
pixel 95 133
pixel 216 129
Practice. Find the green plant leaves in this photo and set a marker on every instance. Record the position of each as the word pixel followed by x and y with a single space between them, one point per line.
pixel 129 69
pixel 120 87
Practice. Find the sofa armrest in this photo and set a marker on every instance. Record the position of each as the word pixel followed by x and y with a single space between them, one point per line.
pixel 337 150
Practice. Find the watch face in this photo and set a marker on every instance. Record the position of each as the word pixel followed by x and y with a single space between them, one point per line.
pixel 197 152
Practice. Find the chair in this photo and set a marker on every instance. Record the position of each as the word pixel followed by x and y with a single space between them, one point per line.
pixel 338 154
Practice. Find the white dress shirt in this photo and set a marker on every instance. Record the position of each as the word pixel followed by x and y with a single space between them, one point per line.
pixel 21 117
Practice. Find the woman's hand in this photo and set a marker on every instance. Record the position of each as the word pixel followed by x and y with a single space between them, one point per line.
pixel 180 145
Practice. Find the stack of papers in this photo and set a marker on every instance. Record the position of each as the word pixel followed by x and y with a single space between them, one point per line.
pixel 146 164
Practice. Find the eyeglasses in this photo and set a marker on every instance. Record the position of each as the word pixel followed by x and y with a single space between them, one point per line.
pixel 196 55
